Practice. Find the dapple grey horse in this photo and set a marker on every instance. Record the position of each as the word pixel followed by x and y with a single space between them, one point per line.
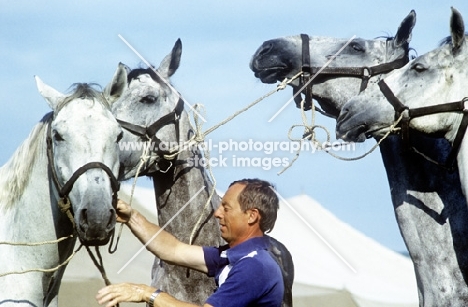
pixel 151 109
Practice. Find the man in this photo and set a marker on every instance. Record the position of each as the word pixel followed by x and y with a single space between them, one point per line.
pixel 244 271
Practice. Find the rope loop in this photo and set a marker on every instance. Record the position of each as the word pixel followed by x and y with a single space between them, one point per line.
pixel 50 270
pixel 310 135
pixel 64 205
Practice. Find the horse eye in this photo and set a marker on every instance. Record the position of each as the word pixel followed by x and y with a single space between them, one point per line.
pixel 58 137
pixel 148 99
pixel 357 47
pixel 119 137
pixel 419 67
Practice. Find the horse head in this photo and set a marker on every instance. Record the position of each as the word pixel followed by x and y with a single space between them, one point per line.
pixel 429 80
pixel 156 108
pixel 83 158
pixel 359 61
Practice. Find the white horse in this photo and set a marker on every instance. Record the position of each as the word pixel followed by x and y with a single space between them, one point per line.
pixel 151 109
pixel 429 205
pixel 71 157
pixel 357 63
pixel 429 95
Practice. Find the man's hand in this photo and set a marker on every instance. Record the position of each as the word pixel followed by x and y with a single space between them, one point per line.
pixel 125 292
pixel 124 211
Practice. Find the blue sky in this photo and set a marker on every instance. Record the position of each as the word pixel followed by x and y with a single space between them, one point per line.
pixel 64 42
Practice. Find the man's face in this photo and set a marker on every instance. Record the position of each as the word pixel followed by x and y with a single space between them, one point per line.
pixel 233 221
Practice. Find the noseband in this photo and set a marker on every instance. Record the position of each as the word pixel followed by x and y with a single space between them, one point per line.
pixel 408 114
pixel 365 72
pixel 64 191
pixel 149 132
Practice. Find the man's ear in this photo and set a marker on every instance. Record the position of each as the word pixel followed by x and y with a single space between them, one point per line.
pixel 254 215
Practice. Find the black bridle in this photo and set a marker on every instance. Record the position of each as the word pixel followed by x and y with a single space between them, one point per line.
pixel 408 114
pixel 64 191
pixel 149 132
pixel 365 73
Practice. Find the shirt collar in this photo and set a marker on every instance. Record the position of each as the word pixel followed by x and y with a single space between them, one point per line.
pixel 237 252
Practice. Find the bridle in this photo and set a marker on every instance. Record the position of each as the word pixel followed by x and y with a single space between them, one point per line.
pixel 408 114
pixel 149 133
pixel 64 191
pixel 365 73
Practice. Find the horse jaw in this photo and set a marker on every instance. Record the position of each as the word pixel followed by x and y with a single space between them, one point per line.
pixel 361 118
pixel 275 60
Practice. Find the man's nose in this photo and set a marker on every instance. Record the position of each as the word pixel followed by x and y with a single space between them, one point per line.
pixel 217 212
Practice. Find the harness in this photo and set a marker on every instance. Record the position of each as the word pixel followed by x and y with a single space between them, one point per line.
pixel 149 132
pixel 408 114
pixel 64 191
pixel 364 72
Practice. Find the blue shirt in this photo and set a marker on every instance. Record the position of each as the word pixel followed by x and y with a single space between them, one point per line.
pixel 246 275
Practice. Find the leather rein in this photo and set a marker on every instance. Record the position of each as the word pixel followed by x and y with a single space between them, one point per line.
pixel 365 73
pixel 408 114
pixel 149 132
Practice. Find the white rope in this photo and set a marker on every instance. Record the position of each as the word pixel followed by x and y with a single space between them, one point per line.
pixel 206 151
pixel 43 270
pixel 309 133
pixel 143 160
pixel 199 136
pixel 145 156
pixel 35 243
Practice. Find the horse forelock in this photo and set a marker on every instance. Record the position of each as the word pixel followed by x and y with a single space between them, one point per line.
pixel 389 38
pixel 448 40
pixel 84 90
pixel 135 73
pixel 16 173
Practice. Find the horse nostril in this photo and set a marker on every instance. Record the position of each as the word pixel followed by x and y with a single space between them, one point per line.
pixel 266 48
pixel 112 220
pixel 83 220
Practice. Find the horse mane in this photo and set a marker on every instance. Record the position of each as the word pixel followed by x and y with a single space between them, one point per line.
pixel 448 40
pixel 15 174
pixel 84 90
pixel 407 46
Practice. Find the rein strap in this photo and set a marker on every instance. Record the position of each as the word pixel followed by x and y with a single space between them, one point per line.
pixel 400 108
pixel 365 73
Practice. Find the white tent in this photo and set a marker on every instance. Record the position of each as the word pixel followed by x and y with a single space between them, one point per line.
pixel 335 265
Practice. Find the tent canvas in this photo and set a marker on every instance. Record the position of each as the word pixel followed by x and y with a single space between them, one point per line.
pixel 332 259
pixel 382 278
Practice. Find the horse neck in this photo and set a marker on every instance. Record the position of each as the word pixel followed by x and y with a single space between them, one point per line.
pixel 462 160
pixel 431 212
pixel 17 173
pixel 33 217
pixel 175 189
pixel 27 190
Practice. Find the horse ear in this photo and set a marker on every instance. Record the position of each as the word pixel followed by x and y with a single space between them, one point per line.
pixel 117 86
pixel 51 95
pixel 457 30
pixel 171 62
pixel 404 30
